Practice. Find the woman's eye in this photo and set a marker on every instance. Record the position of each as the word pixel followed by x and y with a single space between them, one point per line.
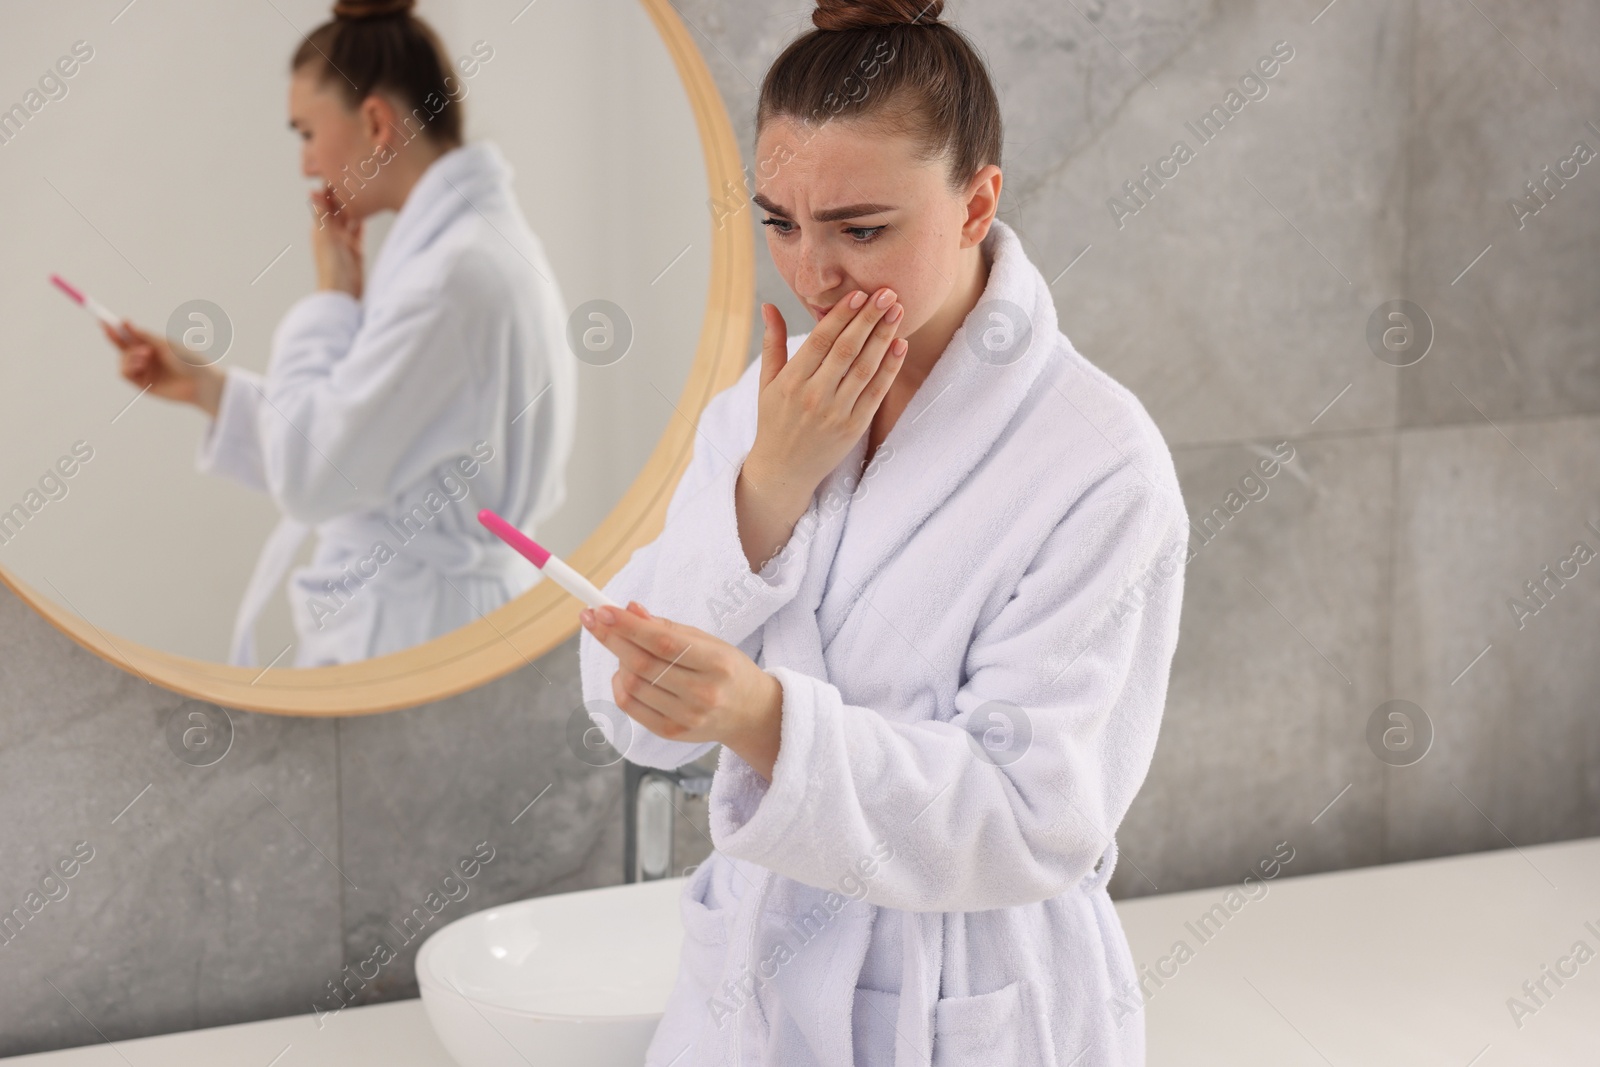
pixel 785 227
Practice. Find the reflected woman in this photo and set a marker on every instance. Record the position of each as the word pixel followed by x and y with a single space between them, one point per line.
pixel 400 401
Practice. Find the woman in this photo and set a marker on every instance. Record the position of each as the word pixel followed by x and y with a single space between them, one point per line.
pixel 922 582
pixel 397 405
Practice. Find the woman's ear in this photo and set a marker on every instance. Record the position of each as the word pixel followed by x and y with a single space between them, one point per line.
pixel 377 117
pixel 983 203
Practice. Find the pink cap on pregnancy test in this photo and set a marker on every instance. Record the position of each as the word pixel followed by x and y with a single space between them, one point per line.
pixel 68 288
pixel 546 561
pixel 89 304
pixel 536 553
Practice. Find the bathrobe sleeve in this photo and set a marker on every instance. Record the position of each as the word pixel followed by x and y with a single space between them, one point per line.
pixel 360 402
pixel 695 571
pixel 1073 669
pixel 231 446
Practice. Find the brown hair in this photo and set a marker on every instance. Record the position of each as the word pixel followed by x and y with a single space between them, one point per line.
pixel 378 45
pixel 894 62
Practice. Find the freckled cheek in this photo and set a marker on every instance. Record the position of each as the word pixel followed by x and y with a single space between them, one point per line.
pixel 783 259
pixel 915 298
pixel 912 317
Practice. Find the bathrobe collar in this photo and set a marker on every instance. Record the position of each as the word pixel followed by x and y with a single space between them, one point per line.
pixel 951 422
pixel 462 180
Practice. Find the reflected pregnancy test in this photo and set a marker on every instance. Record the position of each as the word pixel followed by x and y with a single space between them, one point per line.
pixel 546 561
pixel 88 303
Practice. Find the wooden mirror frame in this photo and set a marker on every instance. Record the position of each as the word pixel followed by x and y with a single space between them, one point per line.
pixel 524 629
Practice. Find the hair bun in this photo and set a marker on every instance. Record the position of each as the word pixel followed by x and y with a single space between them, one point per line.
pixel 372 9
pixel 867 14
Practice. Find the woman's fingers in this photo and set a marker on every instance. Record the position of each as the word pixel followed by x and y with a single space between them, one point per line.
pixel 136 368
pixel 774 343
pixel 140 359
pixel 652 649
pixel 125 336
pixel 866 365
pixel 345 225
pixel 875 390
pixel 661 695
pixel 137 339
pixel 659 682
pixel 640 708
pixel 330 212
pixel 819 342
pixel 848 344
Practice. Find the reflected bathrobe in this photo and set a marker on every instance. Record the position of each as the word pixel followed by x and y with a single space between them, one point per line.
pixel 973 636
pixel 385 424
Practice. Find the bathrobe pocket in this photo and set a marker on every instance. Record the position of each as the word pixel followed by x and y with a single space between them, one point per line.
pixel 1008 1025
pixel 705 919
pixel 696 1012
pixel 706 911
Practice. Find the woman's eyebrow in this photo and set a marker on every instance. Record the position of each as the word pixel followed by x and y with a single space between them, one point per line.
pixel 833 214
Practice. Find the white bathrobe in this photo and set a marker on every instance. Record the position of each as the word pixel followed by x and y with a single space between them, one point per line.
pixel 973 641
pixel 385 424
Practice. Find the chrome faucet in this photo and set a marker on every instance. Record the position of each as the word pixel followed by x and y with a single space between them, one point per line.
pixel 652 801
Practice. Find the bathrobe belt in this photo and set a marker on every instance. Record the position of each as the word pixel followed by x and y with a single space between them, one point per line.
pixel 439 551
pixel 922 937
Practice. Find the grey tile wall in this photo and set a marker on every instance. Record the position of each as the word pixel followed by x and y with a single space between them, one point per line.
pixel 1381 563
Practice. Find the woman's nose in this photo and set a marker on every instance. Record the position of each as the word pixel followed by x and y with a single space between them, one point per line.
pixel 815 272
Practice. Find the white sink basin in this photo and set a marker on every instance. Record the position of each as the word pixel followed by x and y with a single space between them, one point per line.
pixel 573 979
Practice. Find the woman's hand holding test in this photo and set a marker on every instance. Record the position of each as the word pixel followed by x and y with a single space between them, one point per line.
pixel 683 684
pixel 149 361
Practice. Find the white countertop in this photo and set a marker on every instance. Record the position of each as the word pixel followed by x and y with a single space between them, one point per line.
pixel 1404 964
pixel 395 1034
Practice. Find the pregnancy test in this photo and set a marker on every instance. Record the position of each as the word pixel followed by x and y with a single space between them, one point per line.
pixel 89 303
pixel 546 561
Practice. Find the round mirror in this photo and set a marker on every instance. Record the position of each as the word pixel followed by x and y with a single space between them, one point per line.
pixel 143 526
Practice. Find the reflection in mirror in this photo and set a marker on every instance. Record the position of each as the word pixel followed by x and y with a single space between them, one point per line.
pixel 370 286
